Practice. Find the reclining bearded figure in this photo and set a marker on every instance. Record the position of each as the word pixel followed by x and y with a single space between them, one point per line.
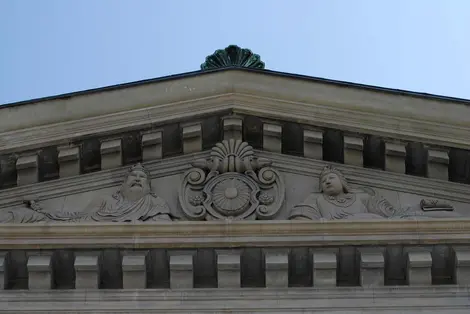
pixel 336 200
pixel 133 202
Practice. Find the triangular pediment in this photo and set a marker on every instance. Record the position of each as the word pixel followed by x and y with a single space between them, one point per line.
pixel 300 123
pixel 299 179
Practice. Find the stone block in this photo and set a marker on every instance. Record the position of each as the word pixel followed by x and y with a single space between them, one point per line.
pixel 192 138
pixel 152 146
pixel 277 270
pixel 324 269
pixel 395 155
pixel 462 266
pixel 419 268
pixel 39 272
pixel 272 134
pixel 233 127
pixel 372 263
pixel 69 161
pixel 86 271
pixel 27 169
pixel 134 272
pixel 438 163
pixel 111 154
pixel 2 270
pixel 228 270
pixel 181 271
pixel 313 144
pixel 353 150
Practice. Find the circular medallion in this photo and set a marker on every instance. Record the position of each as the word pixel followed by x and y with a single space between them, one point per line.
pixel 231 196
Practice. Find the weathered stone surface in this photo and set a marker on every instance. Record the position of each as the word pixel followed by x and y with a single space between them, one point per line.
pixel 313 144
pixel 152 146
pixel 134 272
pixel 192 137
pixel 276 266
pixel 181 271
pixel 69 161
pixel 27 169
pixel 353 150
pixel 2 270
pixel 324 269
pixel 395 154
pixel 372 264
pixel 39 272
pixel 438 163
pixel 233 127
pixel 272 137
pixel 86 271
pixel 419 268
pixel 228 269
pixel 111 153
pixel 462 265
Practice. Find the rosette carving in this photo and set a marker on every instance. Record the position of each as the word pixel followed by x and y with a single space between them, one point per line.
pixel 232 184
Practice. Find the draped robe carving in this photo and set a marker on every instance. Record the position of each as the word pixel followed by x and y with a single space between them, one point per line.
pixel 134 201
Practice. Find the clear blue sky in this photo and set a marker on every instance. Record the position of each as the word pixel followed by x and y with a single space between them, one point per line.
pixel 51 47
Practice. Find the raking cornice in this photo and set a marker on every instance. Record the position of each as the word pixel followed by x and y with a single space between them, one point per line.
pixel 265 95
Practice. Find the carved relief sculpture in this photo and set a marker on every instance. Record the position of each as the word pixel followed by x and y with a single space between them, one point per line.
pixel 232 184
pixel 336 200
pixel 134 201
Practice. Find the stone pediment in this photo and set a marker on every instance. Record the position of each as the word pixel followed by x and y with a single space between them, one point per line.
pixel 273 184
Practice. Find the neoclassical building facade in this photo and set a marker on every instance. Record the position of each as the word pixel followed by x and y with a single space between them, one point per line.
pixel 235 189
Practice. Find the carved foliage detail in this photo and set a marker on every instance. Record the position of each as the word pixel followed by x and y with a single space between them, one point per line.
pixel 232 184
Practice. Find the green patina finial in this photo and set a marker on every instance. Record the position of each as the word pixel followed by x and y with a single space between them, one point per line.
pixel 232 56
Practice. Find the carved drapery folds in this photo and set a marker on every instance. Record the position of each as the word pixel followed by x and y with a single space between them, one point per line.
pixel 232 184
pixel 133 202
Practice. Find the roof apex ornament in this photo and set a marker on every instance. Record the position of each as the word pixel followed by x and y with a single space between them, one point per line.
pixel 232 56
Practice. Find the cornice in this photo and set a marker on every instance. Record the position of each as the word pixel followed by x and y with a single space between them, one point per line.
pixel 233 234
pixel 277 300
pixel 139 119
pixel 422 120
pixel 440 189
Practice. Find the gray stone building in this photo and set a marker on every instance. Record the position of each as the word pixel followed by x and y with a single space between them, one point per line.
pixel 235 189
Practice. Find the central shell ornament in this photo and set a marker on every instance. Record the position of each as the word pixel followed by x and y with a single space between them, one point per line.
pixel 232 184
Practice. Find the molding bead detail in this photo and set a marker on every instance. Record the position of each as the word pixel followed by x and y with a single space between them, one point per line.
pixel 232 184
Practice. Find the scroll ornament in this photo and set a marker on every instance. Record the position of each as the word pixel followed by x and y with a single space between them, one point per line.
pixel 232 184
